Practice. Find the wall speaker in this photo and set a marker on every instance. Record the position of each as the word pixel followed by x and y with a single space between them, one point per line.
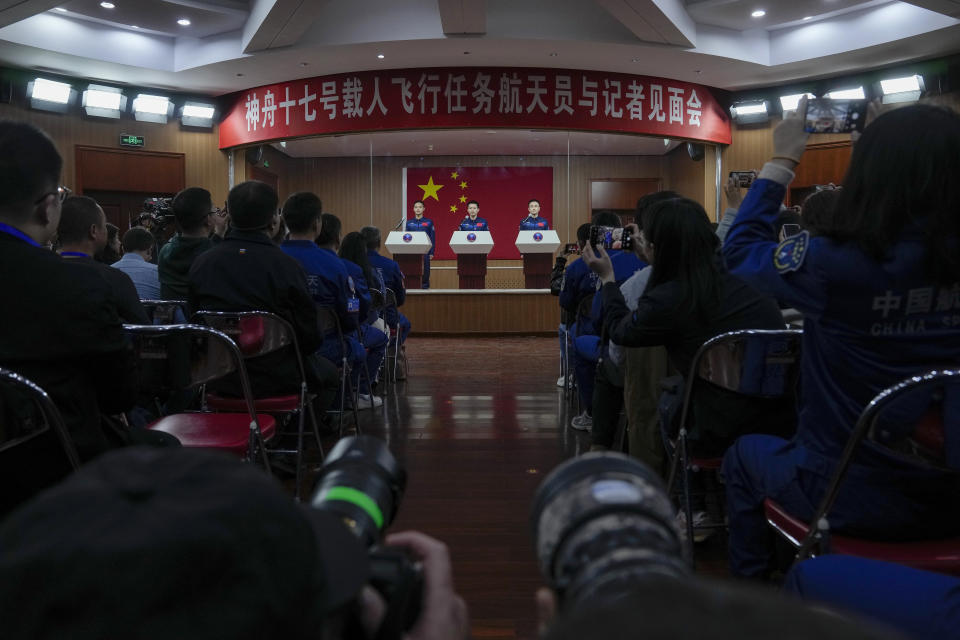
pixel 255 156
pixel 695 151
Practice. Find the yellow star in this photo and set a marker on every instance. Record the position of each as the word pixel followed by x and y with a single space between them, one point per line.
pixel 430 189
pixel 454 175
pixel 463 198
pixel 463 185
pixel 453 208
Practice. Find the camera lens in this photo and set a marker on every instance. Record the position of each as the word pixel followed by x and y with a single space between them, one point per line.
pixel 603 523
pixel 362 483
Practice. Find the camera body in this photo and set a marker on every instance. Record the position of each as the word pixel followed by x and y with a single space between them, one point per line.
pixel 743 179
pixel 156 215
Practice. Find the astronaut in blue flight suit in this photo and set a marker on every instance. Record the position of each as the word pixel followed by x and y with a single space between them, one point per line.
pixel 869 322
pixel 391 278
pixel 419 223
pixel 533 221
pixel 472 222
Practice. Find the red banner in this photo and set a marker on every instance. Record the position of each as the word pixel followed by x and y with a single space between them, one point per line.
pixel 502 193
pixel 453 98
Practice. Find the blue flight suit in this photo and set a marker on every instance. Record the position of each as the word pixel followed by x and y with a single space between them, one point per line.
pixel 867 325
pixel 534 224
pixel 474 225
pixel 921 604
pixel 332 287
pixel 391 278
pixel 425 225
pixel 373 340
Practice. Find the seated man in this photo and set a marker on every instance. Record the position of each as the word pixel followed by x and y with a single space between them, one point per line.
pixel 83 234
pixel 247 272
pixel 61 328
pixel 137 252
pixel 328 281
pixel 390 277
pixel 353 253
pixel 199 227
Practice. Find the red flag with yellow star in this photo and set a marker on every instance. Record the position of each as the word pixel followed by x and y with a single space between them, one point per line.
pixel 502 192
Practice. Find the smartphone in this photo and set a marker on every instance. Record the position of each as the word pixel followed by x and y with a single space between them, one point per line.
pixel 824 115
pixel 788 230
pixel 571 247
pixel 744 178
pixel 611 238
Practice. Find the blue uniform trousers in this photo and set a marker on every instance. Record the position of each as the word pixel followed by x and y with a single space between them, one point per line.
pixel 375 343
pixel 586 352
pixel 425 281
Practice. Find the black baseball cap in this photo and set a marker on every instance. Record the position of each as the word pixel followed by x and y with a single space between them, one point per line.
pixel 173 543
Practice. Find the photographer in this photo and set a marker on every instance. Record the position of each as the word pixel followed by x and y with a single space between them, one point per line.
pixel 191 544
pixel 200 226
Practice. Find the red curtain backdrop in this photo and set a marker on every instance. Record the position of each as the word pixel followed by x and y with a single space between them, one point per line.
pixel 502 192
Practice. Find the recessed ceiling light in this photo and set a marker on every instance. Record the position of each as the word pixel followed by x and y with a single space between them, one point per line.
pixel 183 22
pixel 759 13
pixel 808 17
pixel 552 54
pixel 380 56
pixel 635 60
pixel 107 5
pixel 303 64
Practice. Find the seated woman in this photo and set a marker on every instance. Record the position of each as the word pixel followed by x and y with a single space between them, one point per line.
pixel 353 252
pixel 689 299
pixel 879 288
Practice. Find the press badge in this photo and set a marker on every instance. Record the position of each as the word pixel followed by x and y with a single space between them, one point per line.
pixel 353 305
pixel 791 252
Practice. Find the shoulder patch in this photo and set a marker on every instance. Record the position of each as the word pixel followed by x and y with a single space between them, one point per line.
pixel 791 252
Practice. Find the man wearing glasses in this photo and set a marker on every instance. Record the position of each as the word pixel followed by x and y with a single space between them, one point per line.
pixel 200 226
pixel 60 327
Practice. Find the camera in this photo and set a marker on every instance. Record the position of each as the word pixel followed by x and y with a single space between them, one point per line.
pixel 744 178
pixel 603 524
pixel 157 213
pixel 611 238
pixel 362 484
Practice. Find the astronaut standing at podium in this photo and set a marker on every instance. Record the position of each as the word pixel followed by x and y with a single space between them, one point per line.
pixel 419 223
pixel 472 222
pixel 533 221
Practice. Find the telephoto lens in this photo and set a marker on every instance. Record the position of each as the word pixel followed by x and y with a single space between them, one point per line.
pixel 603 524
pixel 363 483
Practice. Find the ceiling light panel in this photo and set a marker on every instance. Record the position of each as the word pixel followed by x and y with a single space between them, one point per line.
pixel 146 103
pixel 789 103
pixel 847 94
pixel 899 85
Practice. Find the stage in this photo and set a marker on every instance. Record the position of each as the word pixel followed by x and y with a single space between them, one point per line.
pixel 482 311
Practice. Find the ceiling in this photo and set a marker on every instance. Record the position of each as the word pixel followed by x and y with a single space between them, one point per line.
pixel 231 45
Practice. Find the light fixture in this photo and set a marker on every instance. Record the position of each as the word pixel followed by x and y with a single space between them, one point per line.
pixel 807 18
pixel 750 112
pixel 103 102
pixel 107 5
pixel 759 13
pixel 48 95
pixel 151 108
pixel 380 56
pixel 789 103
pixel 183 22
pixel 60 9
pixel 906 89
pixel 847 94
pixel 283 143
pixel 133 26
pixel 197 114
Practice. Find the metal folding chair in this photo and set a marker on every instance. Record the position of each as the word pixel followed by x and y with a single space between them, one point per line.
pixel 390 302
pixel 166 311
pixel 329 325
pixel 922 444
pixel 181 356
pixel 753 363
pixel 258 333
pixel 378 305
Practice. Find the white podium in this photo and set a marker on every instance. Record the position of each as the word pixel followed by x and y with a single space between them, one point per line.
pixel 408 249
pixel 537 248
pixel 472 248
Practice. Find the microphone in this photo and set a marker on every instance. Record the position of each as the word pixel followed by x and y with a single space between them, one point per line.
pixel 399 224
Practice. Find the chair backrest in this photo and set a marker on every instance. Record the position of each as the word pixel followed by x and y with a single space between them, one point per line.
pixel 377 303
pixel 27 412
pixel 255 332
pixel 329 322
pixel 166 311
pixel 390 297
pixel 760 363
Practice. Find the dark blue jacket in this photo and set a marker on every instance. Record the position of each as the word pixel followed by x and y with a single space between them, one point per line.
pixel 362 289
pixel 389 272
pixel 867 324
pixel 578 282
pixel 474 225
pixel 327 280
pixel 425 225
pixel 534 224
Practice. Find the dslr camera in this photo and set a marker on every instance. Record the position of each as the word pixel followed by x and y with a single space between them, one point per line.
pixel 362 484
pixel 156 215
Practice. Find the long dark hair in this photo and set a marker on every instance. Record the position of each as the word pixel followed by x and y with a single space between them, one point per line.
pixel 904 169
pixel 685 250
pixel 354 248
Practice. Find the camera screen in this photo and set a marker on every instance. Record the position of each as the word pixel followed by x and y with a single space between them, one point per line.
pixel 744 178
pixel 571 247
pixel 835 116
pixel 611 237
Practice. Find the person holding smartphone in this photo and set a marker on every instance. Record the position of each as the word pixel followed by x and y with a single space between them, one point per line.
pixel 533 221
pixel 419 223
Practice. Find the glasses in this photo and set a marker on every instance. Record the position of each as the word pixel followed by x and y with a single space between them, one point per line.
pixel 62 194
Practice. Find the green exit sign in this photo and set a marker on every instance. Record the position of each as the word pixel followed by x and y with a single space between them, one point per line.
pixel 127 140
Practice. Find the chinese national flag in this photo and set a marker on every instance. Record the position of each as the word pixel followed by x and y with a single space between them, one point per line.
pixel 502 192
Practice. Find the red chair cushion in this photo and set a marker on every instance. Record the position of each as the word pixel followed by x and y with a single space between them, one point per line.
pixel 251 335
pixel 278 404
pixel 941 556
pixel 706 463
pixel 221 431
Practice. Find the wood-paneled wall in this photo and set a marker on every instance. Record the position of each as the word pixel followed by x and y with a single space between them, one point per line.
pixel 473 312
pixel 206 165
